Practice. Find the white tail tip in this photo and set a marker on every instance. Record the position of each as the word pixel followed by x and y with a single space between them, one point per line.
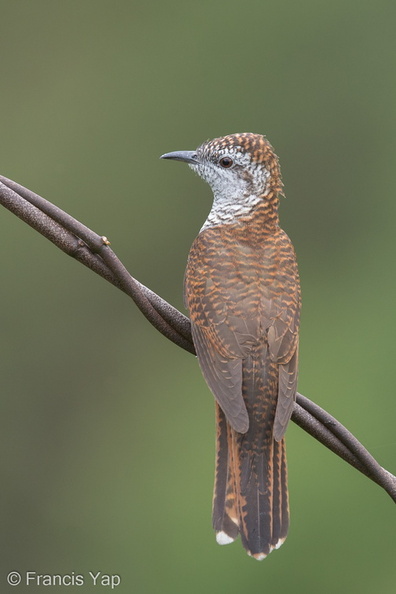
pixel 280 543
pixel 223 538
pixel 257 556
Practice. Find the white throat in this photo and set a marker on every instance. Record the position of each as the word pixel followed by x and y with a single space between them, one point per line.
pixel 226 210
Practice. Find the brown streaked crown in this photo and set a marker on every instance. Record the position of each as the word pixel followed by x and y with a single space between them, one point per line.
pixel 257 145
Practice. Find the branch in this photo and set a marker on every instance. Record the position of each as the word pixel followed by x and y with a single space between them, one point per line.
pixel 93 250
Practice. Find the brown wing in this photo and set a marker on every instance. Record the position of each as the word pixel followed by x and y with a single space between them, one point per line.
pixel 239 296
pixel 283 331
pixel 286 395
pixel 224 378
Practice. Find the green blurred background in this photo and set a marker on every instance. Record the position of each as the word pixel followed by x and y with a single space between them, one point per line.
pixel 107 429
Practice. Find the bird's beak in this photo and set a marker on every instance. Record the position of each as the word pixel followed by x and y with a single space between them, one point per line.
pixel 186 156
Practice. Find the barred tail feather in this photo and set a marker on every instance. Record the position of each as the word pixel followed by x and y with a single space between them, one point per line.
pixel 225 514
pixel 280 503
pixel 251 493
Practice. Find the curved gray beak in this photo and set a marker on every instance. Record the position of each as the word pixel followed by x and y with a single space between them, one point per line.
pixel 186 156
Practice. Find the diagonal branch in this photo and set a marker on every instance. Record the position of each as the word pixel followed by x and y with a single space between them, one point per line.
pixel 92 250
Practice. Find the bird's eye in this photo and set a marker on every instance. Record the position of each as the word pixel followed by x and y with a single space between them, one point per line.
pixel 226 162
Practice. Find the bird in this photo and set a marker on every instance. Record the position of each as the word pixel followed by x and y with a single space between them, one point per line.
pixel 242 291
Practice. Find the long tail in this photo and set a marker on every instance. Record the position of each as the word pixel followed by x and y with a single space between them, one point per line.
pixel 251 494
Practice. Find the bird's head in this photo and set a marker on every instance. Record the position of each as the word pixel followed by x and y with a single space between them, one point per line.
pixel 236 166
